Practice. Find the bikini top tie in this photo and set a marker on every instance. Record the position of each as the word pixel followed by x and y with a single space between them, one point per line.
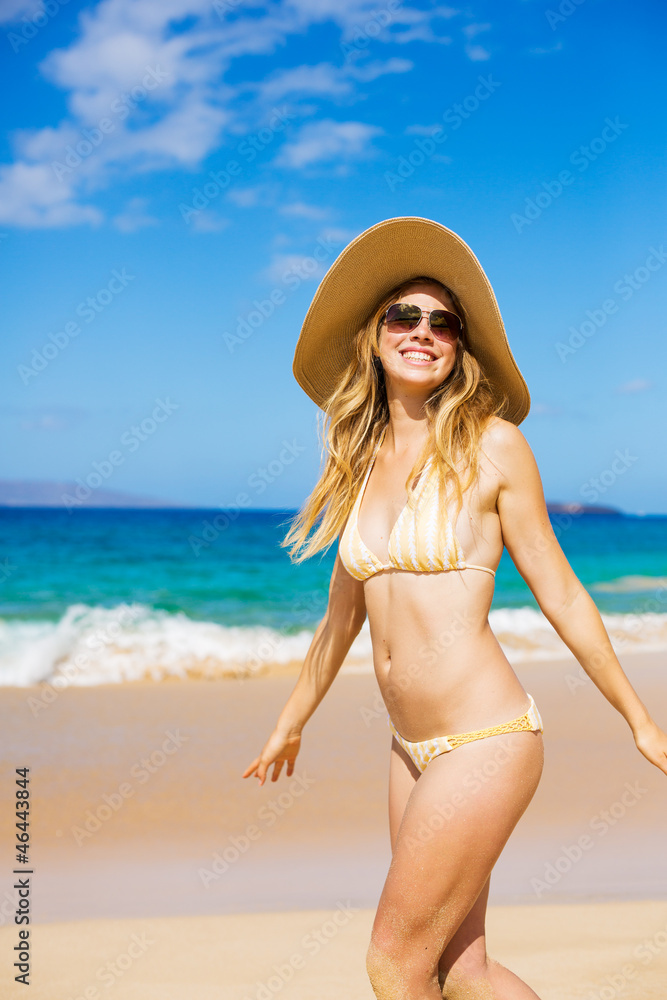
pixel 422 539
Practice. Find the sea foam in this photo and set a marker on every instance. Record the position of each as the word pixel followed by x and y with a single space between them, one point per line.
pixel 132 642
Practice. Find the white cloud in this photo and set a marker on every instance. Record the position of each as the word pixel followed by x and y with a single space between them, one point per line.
pixel 134 216
pixel 538 51
pixel 477 53
pixel 155 71
pixel 209 222
pixel 635 385
pixel 301 210
pixel 470 30
pixel 325 78
pixel 371 71
pixel 421 129
pixel 16 10
pixel 284 264
pixel 327 140
pixel 31 196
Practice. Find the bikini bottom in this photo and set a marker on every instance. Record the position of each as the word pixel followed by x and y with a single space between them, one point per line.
pixel 423 752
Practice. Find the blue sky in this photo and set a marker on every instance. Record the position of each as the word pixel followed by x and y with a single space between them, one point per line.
pixel 168 165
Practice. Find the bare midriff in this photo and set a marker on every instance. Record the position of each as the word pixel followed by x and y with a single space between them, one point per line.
pixel 440 668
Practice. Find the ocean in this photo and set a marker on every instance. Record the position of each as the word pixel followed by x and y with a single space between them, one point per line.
pixel 96 596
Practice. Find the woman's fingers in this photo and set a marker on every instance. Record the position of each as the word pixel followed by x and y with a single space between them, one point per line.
pixel 251 768
pixel 277 768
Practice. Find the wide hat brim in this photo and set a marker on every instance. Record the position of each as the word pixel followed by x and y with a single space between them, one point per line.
pixel 379 259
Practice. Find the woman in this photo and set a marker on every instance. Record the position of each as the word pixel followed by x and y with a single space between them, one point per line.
pixel 428 477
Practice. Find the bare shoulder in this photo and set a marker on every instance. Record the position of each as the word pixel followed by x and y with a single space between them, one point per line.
pixel 506 448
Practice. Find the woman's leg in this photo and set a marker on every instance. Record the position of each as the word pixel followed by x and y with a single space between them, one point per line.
pixel 448 827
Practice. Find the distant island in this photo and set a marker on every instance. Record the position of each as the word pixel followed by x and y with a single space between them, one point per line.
pixel 582 508
pixel 46 493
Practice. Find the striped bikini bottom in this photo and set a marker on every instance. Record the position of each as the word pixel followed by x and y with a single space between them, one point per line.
pixel 422 753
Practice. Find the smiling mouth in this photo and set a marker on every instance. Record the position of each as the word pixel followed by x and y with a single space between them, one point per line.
pixel 417 357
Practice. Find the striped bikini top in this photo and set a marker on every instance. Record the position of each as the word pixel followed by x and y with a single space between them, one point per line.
pixel 422 540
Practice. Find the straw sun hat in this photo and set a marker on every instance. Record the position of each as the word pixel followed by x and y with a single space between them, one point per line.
pixel 382 257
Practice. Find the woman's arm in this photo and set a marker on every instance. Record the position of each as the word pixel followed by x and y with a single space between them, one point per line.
pixel 565 603
pixel 346 613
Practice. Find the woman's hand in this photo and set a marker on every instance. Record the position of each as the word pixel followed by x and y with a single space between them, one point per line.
pixel 652 742
pixel 280 748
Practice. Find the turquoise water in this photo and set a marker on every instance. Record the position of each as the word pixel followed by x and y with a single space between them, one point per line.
pixel 68 570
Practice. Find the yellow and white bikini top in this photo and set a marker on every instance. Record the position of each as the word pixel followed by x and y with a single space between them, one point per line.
pixel 421 541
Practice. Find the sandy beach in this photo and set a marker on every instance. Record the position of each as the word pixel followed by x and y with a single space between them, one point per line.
pixel 150 852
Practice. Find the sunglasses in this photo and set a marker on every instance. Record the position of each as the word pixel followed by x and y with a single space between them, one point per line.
pixel 403 317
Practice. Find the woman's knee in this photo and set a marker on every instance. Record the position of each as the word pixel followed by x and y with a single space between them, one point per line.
pixel 464 981
pixel 396 962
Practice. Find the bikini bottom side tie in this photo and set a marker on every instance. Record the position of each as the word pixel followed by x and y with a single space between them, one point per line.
pixel 423 752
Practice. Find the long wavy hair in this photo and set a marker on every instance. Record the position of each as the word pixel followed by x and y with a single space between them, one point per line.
pixel 356 414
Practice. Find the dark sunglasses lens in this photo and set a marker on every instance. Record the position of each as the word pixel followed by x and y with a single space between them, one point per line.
pixel 402 316
pixel 444 321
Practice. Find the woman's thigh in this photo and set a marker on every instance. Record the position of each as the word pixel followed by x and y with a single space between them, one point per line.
pixel 453 824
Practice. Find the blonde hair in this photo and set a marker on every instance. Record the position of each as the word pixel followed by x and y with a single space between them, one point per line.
pixel 357 413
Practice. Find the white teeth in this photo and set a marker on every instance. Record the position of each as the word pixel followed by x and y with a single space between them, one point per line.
pixel 417 355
